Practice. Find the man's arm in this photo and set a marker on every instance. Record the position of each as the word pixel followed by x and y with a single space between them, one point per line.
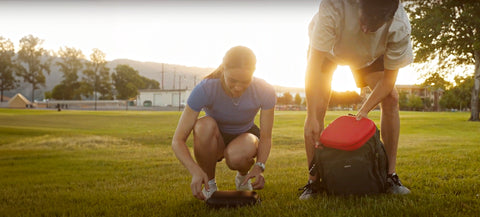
pixel 380 91
pixel 318 78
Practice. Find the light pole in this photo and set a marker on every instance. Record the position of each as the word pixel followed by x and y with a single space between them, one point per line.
pixel 179 92
pixel 95 90
pixel 163 74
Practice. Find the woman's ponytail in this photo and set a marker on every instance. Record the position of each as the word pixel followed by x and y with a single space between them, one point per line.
pixel 217 73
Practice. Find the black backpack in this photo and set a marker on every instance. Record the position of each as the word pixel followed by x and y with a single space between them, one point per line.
pixel 359 172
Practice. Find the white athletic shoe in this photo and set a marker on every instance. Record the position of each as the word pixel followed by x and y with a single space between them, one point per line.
pixel 208 194
pixel 239 179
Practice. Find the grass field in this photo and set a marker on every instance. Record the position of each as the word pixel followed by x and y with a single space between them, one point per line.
pixel 120 163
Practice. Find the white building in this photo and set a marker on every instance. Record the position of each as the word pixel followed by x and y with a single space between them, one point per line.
pixel 158 97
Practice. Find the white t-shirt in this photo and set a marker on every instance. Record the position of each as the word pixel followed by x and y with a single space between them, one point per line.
pixel 335 29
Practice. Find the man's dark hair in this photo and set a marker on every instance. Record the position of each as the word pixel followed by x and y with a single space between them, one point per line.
pixel 379 10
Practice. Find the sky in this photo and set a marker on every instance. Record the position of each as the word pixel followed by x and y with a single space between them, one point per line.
pixel 184 32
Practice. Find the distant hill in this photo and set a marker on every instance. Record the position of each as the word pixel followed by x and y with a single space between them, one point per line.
pixel 190 76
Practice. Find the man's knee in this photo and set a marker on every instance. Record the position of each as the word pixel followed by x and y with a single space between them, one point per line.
pixel 391 101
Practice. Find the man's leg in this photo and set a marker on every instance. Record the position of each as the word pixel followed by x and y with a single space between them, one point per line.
pixel 324 81
pixel 318 88
pixel 390 120
pixel 390 130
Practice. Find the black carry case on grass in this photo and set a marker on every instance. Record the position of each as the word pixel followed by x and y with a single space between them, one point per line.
pixel 223 199
pixel 362 171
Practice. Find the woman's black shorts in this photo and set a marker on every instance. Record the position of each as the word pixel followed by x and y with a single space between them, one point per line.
pixel 227 138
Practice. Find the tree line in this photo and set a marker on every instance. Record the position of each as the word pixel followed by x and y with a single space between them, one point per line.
pixel 456 95
pixel 448 32
pixel 337 99
pixel 82 78
pixel 446 96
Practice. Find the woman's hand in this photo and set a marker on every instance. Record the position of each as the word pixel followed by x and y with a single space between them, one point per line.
pixel 199 178
pixel 184 127
pixel 257 174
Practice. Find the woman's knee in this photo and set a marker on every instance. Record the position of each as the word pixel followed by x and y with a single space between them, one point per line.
pixel 241 151
pixel 235 161
pixel 205 126
pixel 206 136
pixel 239 161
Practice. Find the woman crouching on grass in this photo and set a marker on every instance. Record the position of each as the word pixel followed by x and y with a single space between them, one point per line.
pixel 231 98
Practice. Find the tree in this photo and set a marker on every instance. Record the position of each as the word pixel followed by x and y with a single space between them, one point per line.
pixel 449 31
pixel 70 65
pixel 435 83
pixel 149 83
pixel 61 91
pixel 97 77
pixel 47 94
pixel 428 104
pixel 344 99
pixel 286 99
pixel 105 86
pixel 33 62
pixel 458 96
pixel 127 81
pixel 87 83
pixel 415 102
pixel 403 100
pixel 298 99
pixel 7 78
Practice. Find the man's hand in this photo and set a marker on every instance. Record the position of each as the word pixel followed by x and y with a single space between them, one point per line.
pixel 199 178
pixel 312 132
pixel 361 114
pixel 257 174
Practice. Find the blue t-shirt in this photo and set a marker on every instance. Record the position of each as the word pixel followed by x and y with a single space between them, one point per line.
pixel 233 115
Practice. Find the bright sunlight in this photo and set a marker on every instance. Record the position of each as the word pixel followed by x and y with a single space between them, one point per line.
pixel 186 33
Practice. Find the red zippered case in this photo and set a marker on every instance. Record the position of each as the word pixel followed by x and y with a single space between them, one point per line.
pixel 347 133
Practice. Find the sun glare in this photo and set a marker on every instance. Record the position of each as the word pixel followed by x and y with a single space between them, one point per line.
pixel 154 33
pixel 343 80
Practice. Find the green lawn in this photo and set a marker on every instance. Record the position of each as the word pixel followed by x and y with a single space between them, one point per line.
pixel 119 163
